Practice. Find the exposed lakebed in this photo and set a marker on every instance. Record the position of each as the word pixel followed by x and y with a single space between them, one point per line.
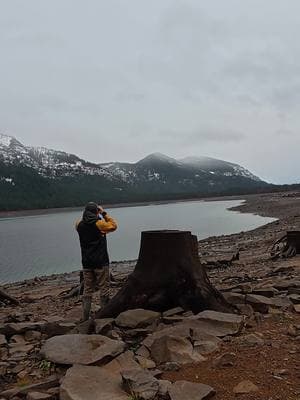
pixel 48 244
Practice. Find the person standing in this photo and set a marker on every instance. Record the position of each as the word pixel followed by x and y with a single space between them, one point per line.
pixel 92 230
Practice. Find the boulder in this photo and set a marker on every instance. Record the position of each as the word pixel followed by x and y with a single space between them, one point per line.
pixel 137 318
pixel 183 390
pixel 174 348
pixel 223 323
pixel 81 349
pixel 140 384
pixel 245 387
pixel 91 383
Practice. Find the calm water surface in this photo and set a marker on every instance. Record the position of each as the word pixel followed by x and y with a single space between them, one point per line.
pixel 48 244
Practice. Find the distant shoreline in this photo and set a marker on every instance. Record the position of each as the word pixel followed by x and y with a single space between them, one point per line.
pixel 46 211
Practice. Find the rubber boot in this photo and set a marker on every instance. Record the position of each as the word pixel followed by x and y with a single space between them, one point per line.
pixel 103 301
pixel 86 308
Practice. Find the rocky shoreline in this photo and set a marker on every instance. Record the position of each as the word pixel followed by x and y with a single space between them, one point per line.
pixel 174 355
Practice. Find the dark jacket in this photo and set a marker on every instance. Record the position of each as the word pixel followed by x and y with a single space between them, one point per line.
pixel 92 236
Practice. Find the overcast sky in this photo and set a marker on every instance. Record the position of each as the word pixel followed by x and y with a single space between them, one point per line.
pixel 119 79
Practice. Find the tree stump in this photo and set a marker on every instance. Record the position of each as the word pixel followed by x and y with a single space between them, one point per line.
pixel 168 274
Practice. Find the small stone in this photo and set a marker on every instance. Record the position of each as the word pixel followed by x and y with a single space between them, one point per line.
pixel 245 387
pixel 19 339
pixel 102 326
pixel 297 308
pixel 31 336
pixel 225 360
pixel 205 346
pixel 145 362
pixel 171 366
pixel 164 387
pixel 183 390
pixel 250 340
pixel 143 352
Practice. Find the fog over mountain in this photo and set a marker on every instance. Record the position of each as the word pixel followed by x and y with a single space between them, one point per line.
pixel 116 80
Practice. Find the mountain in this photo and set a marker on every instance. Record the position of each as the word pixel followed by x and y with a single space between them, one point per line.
pixel 37 177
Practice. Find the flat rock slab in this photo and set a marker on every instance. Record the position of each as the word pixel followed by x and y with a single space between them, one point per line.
pixel 183 390
pixel 137 318
pixel 174 349
pixel 81 349
pixel 91 383
pixel 226 324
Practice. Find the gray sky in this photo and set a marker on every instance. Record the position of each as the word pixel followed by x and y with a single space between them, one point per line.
pixel 119 79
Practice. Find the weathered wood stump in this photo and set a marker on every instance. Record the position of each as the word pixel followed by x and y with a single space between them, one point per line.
pixel 6 297
pixel 168 274
pixel 286 246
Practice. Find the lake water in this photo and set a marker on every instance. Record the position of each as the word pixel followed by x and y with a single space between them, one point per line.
pixel 47 244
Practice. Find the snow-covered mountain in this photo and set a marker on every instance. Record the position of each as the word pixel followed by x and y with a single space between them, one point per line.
pixel 47 162
pixel 41 177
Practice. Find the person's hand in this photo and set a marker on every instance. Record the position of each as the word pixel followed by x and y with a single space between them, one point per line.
pixel 100 209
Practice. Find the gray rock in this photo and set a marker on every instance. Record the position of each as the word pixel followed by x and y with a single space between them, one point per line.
pixel 267 291
pixel 173 311
pixel 234 298
pixel 145 362
pixel 250 340
pixel 183 390
pixel 91 383
pixel 102 326
pixel 225 360
pixel 137 318
pixel 124 361
pixel 163 388
pixel 245 387
pixel 259 303
pixel 172 348
pixel 21 327
pixel 295 298
pixel 228 324
pixel 143 352
pixel 57 328
pixel 140 383
pixel 81 349
pixel 205 346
